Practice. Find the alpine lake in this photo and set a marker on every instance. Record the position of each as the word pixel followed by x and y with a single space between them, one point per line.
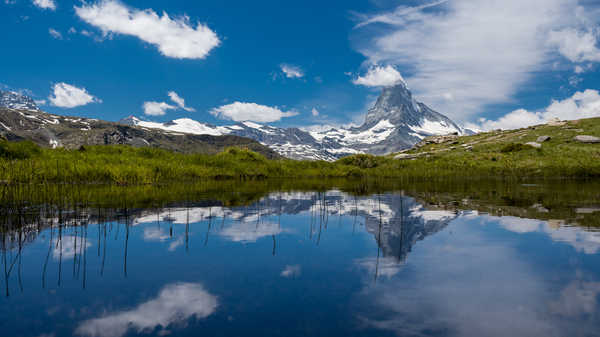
pixel 301 258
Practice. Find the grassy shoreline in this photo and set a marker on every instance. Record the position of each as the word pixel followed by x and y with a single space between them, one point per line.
pixel 500 154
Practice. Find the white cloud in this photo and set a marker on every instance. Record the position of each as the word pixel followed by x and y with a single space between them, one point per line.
pixel 584 104
pixel 45 4
pixel 179 101
pixel 249 231
pixel 239 112
pixel 68 246
pixel 160 108
pixel 55 33
pixel 69 96
pixel 291 271
pixel 176 303
pixel 72 30
pixel 380 77
pixel 482 52
pixel 292 71
pixel 157 108
pixel 314 112
pixel 576 46
pixel 175 38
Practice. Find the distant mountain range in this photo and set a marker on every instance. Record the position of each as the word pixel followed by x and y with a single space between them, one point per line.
pixel 14 100
pixel 21 119
pixel 396 122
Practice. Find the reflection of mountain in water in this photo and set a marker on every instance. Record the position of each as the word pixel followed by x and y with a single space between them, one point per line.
pixel 396 222
pixel 408 223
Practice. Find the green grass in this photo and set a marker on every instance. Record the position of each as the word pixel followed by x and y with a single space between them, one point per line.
pixel 492 155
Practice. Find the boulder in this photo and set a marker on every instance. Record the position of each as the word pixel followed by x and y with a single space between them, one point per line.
pixel 542 139
pixel 534 144
pixel 439 139
pixel 556 122
pixel 405 156
pixel 587 139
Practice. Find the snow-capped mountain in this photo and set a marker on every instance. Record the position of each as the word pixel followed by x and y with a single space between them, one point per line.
pixel 13 100
pixel 396 122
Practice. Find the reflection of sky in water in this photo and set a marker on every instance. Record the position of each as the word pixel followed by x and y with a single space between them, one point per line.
pixel 294 264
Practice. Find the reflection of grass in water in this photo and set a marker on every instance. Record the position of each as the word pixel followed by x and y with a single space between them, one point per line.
pixel 494 154
pixel 21 204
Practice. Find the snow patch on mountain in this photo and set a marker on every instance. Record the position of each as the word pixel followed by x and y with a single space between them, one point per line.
pixel 435 128
pixel 14 100
pixel 350 137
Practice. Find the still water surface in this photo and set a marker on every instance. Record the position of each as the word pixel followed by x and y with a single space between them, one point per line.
pixel 303 263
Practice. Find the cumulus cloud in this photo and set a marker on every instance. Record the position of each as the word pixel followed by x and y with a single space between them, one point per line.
pixel 55 33
pixel 380 77
pixel 69 96
pixel 292 71
pixel 176 303
pixel 45 4
pixel 157 108
pixel 482 52
pixel 239 112
pixel 577 46
pixel 584 104
pixel 179 101
pixel 177 38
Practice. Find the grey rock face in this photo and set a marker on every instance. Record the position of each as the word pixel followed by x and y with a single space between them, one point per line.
pixel 587 139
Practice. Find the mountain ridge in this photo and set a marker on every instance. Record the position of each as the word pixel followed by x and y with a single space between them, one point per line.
pixel 28 122
pixel 396 122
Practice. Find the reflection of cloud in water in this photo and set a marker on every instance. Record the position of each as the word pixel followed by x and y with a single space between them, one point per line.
pixel 384 266
pixel 249 232
pixel 160 235
pixel 155 234
pixel 69 246
pixel 582 240
pixel 577 299
pixel 291 271
pixel 175 303
pixel 462 285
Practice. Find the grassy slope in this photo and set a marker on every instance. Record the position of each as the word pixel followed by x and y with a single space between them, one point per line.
pixel 492 155
pixel 501 153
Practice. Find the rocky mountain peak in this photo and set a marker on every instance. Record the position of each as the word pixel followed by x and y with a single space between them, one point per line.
pixel 130 120
pixel 397 105
pixel 14 100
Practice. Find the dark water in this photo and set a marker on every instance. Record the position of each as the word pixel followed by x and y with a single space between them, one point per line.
pixel 520 260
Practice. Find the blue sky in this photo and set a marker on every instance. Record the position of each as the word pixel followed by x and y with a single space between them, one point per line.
pixel 303 63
